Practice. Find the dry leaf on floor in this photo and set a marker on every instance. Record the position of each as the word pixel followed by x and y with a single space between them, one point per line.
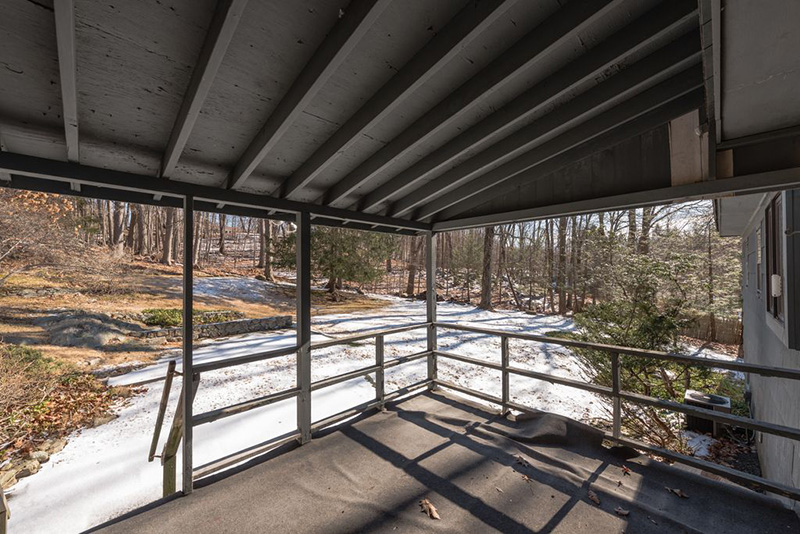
pixel 594 498
pixel 522 461
pixel 677 492
pixel 526 478
pixel 428 508
pixel 498 489
pixel 621 511
pixel 619 483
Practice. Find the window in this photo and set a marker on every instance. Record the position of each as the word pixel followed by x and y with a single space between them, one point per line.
pixel 774 253
pixel 758 259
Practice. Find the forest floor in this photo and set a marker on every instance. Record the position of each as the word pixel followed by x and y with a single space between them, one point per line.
pixel 103 471
pixel 26 299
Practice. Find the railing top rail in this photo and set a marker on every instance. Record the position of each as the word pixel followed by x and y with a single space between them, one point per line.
pixel 762 370
pixel 241 360
pixel 368 335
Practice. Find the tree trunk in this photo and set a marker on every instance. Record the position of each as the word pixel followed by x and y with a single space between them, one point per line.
pixel 562 264
pixel 141 236
pixel 268 237
pixel 486 277
pixel 118 229
pixel 632 229
pixel 644 236
pixel 167 256
pixel 413 261
pixel 222 221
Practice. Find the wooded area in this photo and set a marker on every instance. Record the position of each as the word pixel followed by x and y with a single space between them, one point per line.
pixel 548 266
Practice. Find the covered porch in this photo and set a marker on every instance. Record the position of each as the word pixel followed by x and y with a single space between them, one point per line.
pixel 409 118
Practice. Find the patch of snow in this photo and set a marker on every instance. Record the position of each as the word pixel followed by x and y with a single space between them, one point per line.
pixel 103 472
pixel 699 444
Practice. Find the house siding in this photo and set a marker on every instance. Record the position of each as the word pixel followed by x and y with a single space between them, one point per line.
pixel 766 342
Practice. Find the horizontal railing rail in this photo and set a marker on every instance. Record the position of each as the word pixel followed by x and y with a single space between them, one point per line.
pixel 214 365
pixel 381 364
pixel 617 395
pixel 763 370
pixel 367 335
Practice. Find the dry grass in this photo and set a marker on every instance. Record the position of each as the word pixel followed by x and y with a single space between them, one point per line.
pixel 138 286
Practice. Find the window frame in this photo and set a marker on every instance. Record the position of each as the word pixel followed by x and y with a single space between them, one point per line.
pixel 774 252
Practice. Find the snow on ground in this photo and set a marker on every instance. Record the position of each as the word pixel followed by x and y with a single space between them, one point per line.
pixel 699 444
pixel 103 472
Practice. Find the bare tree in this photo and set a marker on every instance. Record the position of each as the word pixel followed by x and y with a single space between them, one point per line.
pixel 486 277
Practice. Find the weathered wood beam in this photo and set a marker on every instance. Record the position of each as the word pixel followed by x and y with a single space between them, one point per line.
pixel 358 18
pixel 19 164
pixel 466 26
pixel 535 45
pixel 652 26
pixel 628 110
pixel 656 67
pixel 226 19
pixel 65 38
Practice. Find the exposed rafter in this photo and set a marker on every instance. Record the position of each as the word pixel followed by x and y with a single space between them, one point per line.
pixel 648 100
pixel 642 123
pixel 641 32
pixel 667 61
pixel 348 31
pixel 220 33
pixel 468 24
pixel 539 42
pixel 65 38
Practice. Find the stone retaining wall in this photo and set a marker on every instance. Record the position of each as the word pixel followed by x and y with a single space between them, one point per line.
pixel 224 329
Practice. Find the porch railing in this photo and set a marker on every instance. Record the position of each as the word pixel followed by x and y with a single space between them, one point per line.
pixel 170 450
pixel 507 369
pixel 617 396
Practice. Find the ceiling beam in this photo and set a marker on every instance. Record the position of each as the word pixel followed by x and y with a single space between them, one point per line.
pixel 358 18
pixel 470 22
pixel 64 188
pixel 84 174
pixel 649 27
pixel 639 125
pixel 512 63
pixel 748 184
pixel 628 110
pixel 220 32
pixel 655 68
pixel 65 39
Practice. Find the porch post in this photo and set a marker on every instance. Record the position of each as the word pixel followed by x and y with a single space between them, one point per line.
pixel 188 363
pixel 430 287
pixel 303 300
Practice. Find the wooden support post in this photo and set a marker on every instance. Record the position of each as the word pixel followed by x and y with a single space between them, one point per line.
pixel 188 364
pixel 304 325
pixel 5 513
pixel 615 391
pixel 504 363
pixel 380 387
pixel 162 410
pixel 170 451
pixel 430 301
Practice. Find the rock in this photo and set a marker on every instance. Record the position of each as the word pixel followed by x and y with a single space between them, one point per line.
pixel 103 419
pixel 261 277
pixel 28 468
pixel 39 456
pixel 53 446
pixel 8 478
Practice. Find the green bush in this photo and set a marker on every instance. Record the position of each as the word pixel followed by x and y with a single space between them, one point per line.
pixel 167 317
